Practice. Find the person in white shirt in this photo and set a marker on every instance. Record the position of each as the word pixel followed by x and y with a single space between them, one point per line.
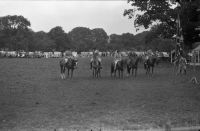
pixel 117 58
pixel 96 56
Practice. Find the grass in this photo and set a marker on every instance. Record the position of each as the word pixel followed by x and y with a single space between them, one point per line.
pixel 33 97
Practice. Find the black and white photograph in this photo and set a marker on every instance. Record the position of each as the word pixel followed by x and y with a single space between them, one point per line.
pixel 99 65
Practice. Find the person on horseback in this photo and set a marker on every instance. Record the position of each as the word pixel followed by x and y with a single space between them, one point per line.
pixel 69 55
pixel 96 56
pixel 131 55
pixel 117 58
pixel 148 55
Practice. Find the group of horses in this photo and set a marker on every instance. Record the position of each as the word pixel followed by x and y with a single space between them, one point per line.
pixel 70 65
pixel 130 64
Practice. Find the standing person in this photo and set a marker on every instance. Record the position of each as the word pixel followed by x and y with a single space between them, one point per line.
pixel 117 58
pixel 95 56
pixel 182 64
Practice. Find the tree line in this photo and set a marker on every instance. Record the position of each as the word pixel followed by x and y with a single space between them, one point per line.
pixel 16 34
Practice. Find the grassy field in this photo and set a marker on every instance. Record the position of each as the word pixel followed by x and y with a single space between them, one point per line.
pixel 33 97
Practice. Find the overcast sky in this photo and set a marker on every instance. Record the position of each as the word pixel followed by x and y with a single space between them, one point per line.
pixel 45 15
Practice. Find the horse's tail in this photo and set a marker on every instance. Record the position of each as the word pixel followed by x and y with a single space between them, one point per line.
pixel 121 65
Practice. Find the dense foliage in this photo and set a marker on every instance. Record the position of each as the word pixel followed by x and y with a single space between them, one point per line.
pixel 16 34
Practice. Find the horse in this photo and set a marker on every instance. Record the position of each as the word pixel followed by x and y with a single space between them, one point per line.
pixel 150 63
pixel 69 65
pixel 132 65
pixel 96 68
pixel 119 67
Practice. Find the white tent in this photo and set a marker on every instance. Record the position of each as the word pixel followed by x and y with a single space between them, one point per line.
pixel 196 54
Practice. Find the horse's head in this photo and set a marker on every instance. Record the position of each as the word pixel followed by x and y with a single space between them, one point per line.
pixel 75 62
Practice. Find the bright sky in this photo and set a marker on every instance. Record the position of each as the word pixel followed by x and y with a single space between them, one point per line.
pixel 45 15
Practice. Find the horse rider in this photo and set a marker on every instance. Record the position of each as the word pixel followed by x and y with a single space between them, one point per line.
pixel 95 56
pixel 69 55
pixel 117 58
pixel 148 54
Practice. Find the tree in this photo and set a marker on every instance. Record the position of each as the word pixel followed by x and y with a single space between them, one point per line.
pixel 42 42
pixel 13 29
pixel 128 40
pixel 81 38
pixel 139 40
pixel 160 44
pixel 190 19
pixel 60 38
pixel 161 11
pixel 153 11
pixel 99 38
pixel 115 42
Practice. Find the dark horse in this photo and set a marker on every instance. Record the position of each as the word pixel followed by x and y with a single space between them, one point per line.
pixel 96 68
pixel 119 68
pixel 132 65
pixel 69 65
pixel 150 63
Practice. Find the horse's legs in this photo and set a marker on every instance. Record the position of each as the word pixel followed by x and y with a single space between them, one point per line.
pixel 63 72
pixel 132 71
pixel 185 71
pixel 72 70
pixel 99 72
pixel 128 70
pixel 135 72
pixel 147 70
pixel 98 69
pixel 115 73
pixel 68 72
pixel 95 72
pixel 152 69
